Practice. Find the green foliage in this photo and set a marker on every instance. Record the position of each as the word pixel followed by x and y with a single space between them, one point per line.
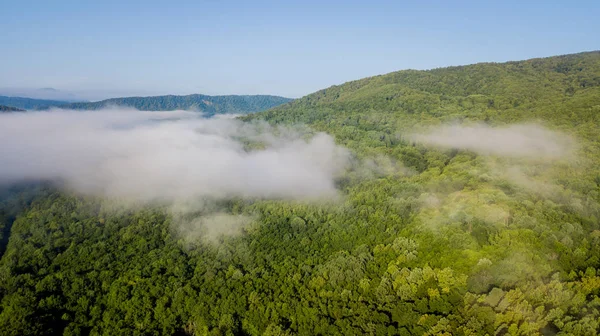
pixel 432 242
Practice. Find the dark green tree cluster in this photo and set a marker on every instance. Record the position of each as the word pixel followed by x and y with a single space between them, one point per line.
pixel 423 241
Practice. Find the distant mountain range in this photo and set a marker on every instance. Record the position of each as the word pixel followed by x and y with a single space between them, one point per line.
pixel 196 102
pixel 42 93
pixel 4 108
pixel 29 103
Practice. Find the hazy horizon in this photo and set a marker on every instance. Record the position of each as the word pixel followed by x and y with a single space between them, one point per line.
pixel 50 93
pixel 92 96
pixel 96 51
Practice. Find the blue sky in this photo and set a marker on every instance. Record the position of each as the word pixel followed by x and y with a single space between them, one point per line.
pixel 289 48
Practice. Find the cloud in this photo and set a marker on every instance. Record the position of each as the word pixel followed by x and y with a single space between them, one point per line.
pixel 212 226
pixel 166 156
pixel 521 140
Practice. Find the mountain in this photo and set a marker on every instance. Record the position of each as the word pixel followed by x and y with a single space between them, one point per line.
pixel 29 103
pixel 41 93
pixel 10 109
pixel 208 104
pixel 471 207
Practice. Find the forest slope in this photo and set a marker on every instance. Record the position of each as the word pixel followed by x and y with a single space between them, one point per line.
pixel 562 90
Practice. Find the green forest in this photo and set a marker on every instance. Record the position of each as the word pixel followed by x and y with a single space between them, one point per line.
pixel 437 242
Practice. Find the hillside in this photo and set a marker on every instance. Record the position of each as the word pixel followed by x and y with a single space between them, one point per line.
pixel 207 104
pixel 561 90
pixel 483 233
pixel 29 103
pixel 10 109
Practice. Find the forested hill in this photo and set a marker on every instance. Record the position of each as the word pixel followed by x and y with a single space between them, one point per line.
pixel 10 109
pixel 423 240
pixel 198 102
pixel 547 88
pixel 29 103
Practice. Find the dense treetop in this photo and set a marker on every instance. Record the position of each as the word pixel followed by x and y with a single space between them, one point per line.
pixel 433 242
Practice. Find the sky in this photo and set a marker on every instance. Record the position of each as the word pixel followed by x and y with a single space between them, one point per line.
pixel 100 49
